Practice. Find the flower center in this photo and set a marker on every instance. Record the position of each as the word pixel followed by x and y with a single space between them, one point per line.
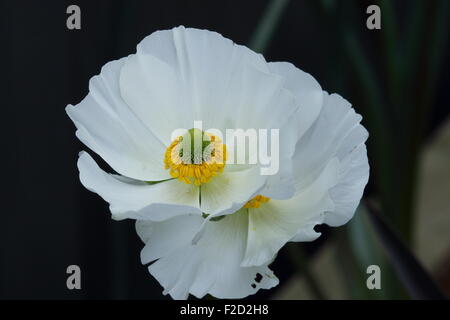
pixel 195 157
pixel 256 201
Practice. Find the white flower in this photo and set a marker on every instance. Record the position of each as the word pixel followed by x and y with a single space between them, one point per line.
pixel 175 78
pixel 183 75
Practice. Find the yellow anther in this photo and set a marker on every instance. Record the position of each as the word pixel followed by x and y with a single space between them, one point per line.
pixel 256 201
pixel 186 168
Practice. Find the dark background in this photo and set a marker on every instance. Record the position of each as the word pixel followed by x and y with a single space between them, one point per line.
pixel 48 220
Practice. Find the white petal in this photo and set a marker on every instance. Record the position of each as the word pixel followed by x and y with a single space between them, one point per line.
pixel 335 133
pixel 307 232
pixel 211 266
pixel 152 90
pixel 230 190
pixel 107 126
pixel 280 186
pixel 278 221
pixel 207 66
pixel 353 177
pixel 307 92
pixel 177 46
pixel 308 95
pixel 206 77
pixel 259 100
pixel 137 199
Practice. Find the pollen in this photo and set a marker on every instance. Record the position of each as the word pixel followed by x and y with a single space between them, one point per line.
pixel 195 157
pixel 256 201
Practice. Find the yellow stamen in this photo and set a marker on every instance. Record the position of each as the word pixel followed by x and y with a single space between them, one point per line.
pixel 256 201
pixel 189 170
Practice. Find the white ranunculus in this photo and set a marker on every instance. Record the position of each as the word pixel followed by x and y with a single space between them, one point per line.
pixel 183 75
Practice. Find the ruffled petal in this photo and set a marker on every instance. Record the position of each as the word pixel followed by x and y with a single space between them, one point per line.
pixel 212 266
pixel 330 170
pixel 307 92
pixel 346 195
pixel 195 74
pixel 278 221
pixel 230 190
pixel 309 97
pixel 136 199
pixel 154 92
pixel 107 125
pixel 336 133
